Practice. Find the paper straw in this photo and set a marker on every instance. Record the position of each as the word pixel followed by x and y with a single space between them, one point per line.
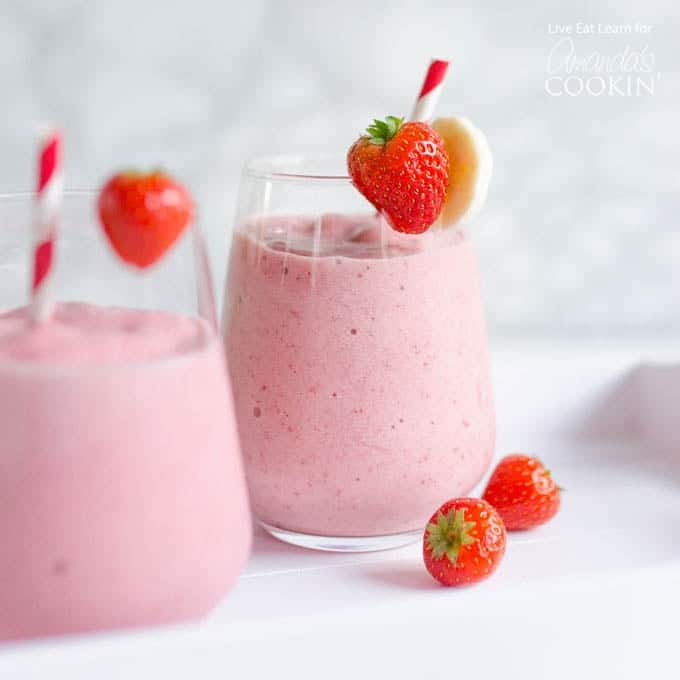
pixel 430 91
pixel 46 215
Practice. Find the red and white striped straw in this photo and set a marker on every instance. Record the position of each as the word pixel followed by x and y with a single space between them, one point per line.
pixel 46 216
pixel 429 93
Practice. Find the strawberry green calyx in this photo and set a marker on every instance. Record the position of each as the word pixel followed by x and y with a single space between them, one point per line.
pixel 381 131
pixel 449 534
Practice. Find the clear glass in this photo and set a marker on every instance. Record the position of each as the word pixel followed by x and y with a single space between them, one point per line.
pixel 358 358
pixel 122 495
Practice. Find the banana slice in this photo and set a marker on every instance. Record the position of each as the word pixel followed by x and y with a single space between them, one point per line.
pixel 470 168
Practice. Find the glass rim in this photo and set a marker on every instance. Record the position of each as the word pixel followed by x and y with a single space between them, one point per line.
pixel 85 199
pixel 10 196
pixel 295 168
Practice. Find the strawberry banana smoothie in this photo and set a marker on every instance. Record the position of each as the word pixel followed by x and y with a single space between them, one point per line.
pixel 122 500
pixel 359 363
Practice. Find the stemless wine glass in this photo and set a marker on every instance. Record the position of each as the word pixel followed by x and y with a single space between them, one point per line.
pixel 358 359
pixel 122 495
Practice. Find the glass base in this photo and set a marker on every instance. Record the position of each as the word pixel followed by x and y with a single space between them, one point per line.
pixel 345 544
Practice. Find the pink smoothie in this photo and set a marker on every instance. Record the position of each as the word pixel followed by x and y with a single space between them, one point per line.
pixel 360 371
pixel 122 499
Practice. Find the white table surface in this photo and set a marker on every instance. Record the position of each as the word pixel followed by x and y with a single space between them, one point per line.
pixel 595 593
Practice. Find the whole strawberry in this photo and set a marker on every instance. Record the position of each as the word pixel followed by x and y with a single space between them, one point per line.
pixel 523 492
pixel 464 542
pixel 403 170
pixel 143 215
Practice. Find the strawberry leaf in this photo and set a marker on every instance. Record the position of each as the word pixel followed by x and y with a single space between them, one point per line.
pixel 381 131
pixel 449 534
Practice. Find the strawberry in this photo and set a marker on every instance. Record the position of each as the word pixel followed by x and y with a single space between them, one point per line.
pixel 464 542
pixel 143 215
pixel 523 492
pixel 403 170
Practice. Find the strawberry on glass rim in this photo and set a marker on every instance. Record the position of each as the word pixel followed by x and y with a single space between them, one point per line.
pixel 143 214
pixel 403 170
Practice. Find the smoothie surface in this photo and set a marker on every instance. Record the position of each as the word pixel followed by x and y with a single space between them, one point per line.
pixel 81 333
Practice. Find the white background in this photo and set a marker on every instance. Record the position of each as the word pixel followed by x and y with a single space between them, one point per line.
pixel 581 230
